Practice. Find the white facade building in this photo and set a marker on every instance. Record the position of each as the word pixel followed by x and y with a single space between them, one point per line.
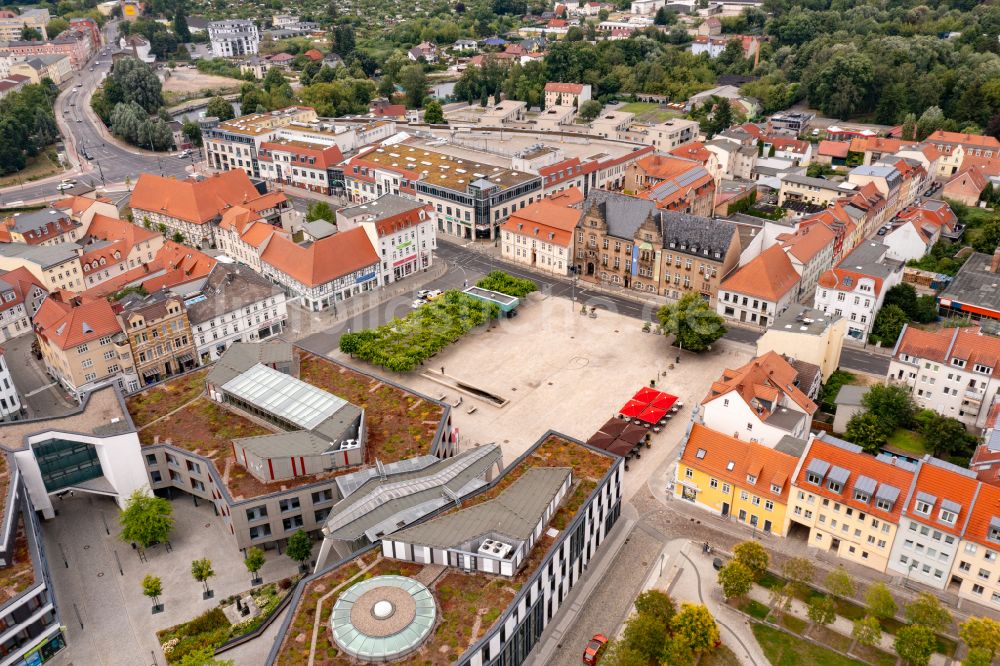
pixel 10 402
pixel 402 230
pixel 232 38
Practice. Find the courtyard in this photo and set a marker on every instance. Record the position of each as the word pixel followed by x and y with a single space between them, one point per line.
pixel 555 369
pixel 117 625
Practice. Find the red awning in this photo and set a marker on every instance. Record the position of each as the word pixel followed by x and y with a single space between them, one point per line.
pixel 652 415
pixel 633 408
pixel 665 401
pixel 646 395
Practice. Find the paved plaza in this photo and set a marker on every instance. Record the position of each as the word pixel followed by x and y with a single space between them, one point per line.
pixel 118 627
pixel 562 371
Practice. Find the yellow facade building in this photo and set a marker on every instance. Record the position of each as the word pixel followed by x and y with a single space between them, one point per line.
pixel 734 478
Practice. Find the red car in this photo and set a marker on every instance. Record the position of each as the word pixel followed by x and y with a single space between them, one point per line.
pixel 593 649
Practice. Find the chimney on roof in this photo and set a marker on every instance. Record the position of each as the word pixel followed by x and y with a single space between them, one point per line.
pixel 995 261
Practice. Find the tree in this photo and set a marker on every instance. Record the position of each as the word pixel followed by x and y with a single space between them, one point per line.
pixel 152 587
pixel 736 580
pixel 132 80
pixel 433 113
pixel 319 210
pixel 647 636
pixel 888 325
pixel 840 583
pixel 981 633
pixel 915 643
pixel 944 435
pixel 927 610
pixel 867 431
pixel 844 84
pixel 692 322
pixel 590 109
pixel 903 295
pixel 867 631
pixel 930 120
pixel 799 571
pixel 201 571
pixel 56 26
pixel 177 237
pixel 822 610
pixel 978 657
pixel 299 547
pixel 414 83
pixel 146 519
pixel 220 108
pixel 780 596
pixel 273 80
pixel 30 34
pixel 880 601
pixel 254 561
pixel 658 604
pixel 193 132
pixel 891 403
pixel 181 28
pixel 696 627
pixel 663 17
pixel 752 555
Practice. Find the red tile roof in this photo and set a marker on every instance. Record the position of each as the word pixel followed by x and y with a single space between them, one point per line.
pixel 763 378
pixel 986 509
pixel 324 260
pixel 965 344
pixel 806 243
pixel 193 201
pixel 571 88
pixel 942 483
pixel 722 452
pixel 68 326
pixel 833 148
pixel 979 140
pixel 324 157
pixel 694 150
pixel 770 276
pixel 859 464
pixel 843 279
pixel 547 221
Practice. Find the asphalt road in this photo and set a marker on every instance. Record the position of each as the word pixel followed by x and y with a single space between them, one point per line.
pixel 110 163
pixel 466 266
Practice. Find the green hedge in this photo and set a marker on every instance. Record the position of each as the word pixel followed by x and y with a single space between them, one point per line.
pixel 211 629
pixel 403 344
pixel 506 283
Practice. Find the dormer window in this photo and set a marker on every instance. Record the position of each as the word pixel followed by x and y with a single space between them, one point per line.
pixel 883 504
pixel 982 369
pixel 751 479
pixel 949 512
pixel 776 489
pixel 994 533
pixel 860 496
pixel 924 504
pixel 948 517
pixel 834 486
pixel 958 362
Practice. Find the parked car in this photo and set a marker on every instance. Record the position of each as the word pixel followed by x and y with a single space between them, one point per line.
pixel 417 303
pixel 593 650
pixel 429 294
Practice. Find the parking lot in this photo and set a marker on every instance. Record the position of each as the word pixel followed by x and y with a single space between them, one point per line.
pixel 559 370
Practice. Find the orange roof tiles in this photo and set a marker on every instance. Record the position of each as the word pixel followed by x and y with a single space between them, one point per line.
pixel 942 483
pixel 572 88
pixel 980 140
pixel 987 508
pixel 863 144
pixel 763 378
pixel 843 279
pixel 193 201
pixel 547 221
pixel 67 326
pixel 807 242
pixel 322 156
pixel 746 458
pixel 324 260
pixel 770 276
pixel 966 344
pixel 663 167
pixel 694 150
pixel 859 464
pixel 833 148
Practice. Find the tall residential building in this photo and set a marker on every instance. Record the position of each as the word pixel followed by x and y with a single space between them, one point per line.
pixel 83 346
pixel 402 230
pixel 11 23
pixel 159 334
pixel 11 408
pixel 233 38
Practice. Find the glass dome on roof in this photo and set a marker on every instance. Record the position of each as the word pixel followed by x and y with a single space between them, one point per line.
pixel 383 618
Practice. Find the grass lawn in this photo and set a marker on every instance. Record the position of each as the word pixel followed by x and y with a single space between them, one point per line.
pixel 830 638
pixel 792 623
pixel 850 610
pixel 908 442
pixel 722 656
pixel 42 165
pixel 874 656
pixel 638 107
pixel 754 608
pixel 770 581
pixel 784 650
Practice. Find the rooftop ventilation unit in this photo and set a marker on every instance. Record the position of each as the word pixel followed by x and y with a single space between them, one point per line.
pixel 494 548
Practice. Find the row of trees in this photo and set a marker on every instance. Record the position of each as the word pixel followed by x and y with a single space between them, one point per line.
pixel 659 633
pixel 27 125
pixel 915 642
pixel 130 103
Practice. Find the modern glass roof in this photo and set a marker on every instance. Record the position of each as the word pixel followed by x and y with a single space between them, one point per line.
pixel 409 631
pixel 284 396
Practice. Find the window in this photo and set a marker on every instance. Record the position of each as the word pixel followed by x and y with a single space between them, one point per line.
pixel 964 566
pixel 260 531
pixel 751 479
pixel 688 473
pixel 768 505
pixel 322 496
pixel 744 495
pixel 725 488
pixel 289 504
pixel 814 479
pixel 977 589
pixel 714 483
pixel 257 512
pixel 775 489
pixel 984 574
pixel 835 486
pixel 923 507
pixel 861 496
pixel 292 522
pixel 948 516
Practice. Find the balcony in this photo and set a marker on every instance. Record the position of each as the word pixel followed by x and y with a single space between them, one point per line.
pixel 973 395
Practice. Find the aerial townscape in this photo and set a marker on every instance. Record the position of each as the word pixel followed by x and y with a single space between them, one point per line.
pixel 500 332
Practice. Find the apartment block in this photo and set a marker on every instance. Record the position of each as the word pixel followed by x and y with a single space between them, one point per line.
pixel 233 38
pixel 402 230
pixel 159 334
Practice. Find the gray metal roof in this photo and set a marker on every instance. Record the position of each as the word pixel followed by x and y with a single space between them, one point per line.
pixel 793 446
pixel 623 214
pixel 513 513
pixel 838 474
pixel 385 206
pixel 284 444
pixel 43 255
pixel 383 505
pixel 926 497
pixel 887 492
pixel 228 288
pixel 975 284
pixel 865 484
pixel 784 418
pixel 817 466
pixel 995 523
pixel 949 505
pixel 850 395
pixel 821 183
pixel 284 396
pixel 241 356
pixel 869 258
pixel 801 319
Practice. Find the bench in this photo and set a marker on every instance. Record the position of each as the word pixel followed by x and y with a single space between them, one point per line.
pixel 472 410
